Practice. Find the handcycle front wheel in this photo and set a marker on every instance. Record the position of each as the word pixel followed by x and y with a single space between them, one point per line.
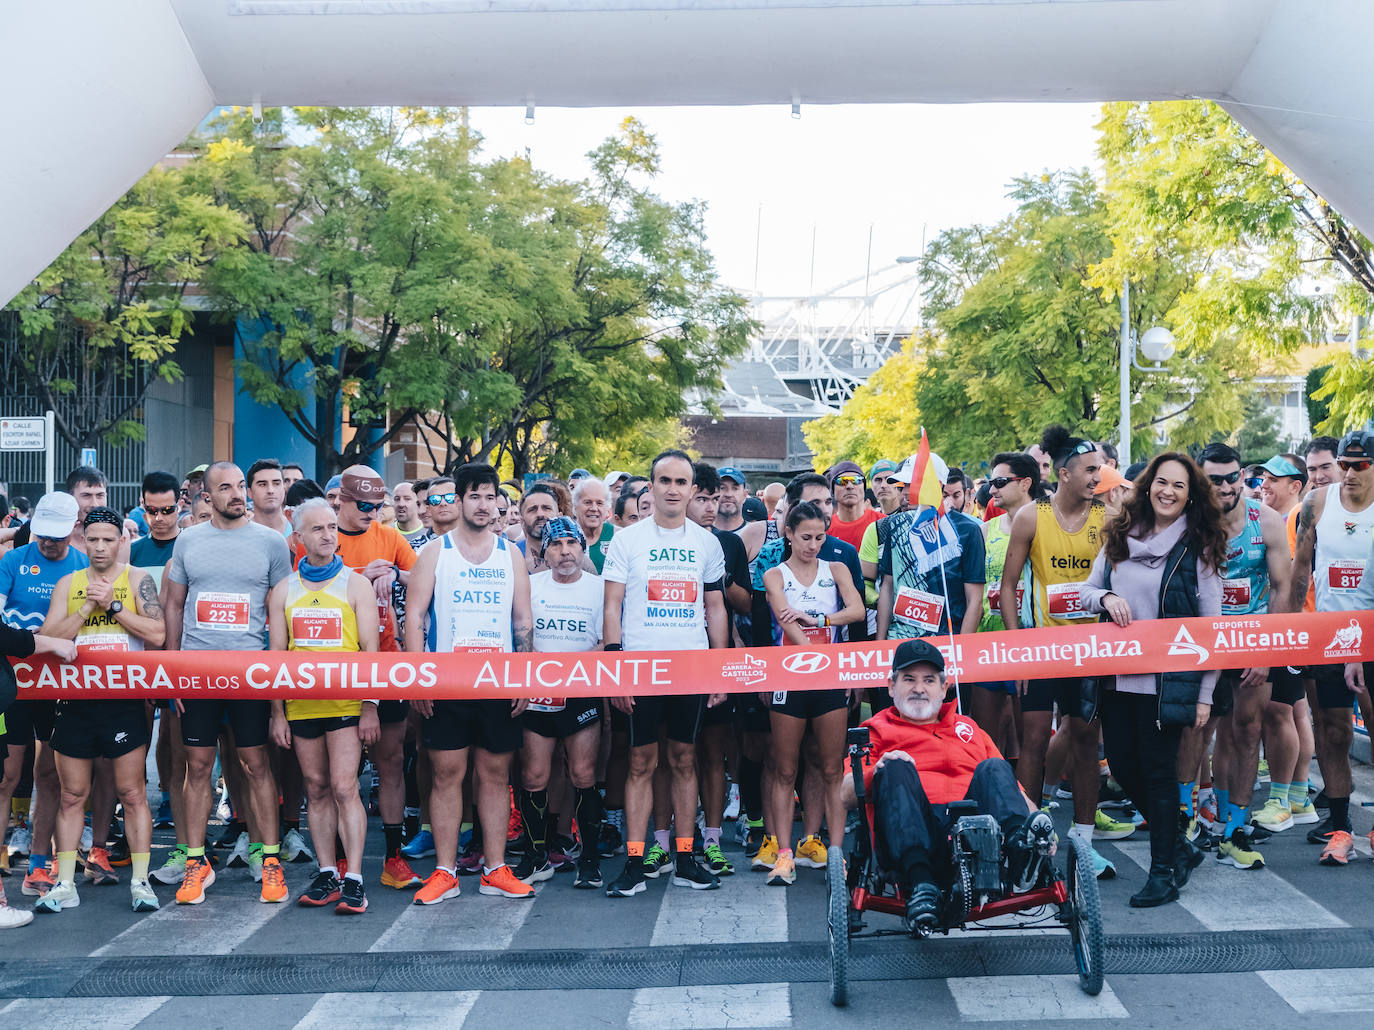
pixel 1084 909
pixel 837 925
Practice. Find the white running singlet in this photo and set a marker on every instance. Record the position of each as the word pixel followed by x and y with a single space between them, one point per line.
pixel 1343 544
pixel 820 597
pixel 472 605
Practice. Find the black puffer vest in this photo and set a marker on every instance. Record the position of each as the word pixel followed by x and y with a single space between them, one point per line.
pixel 1175 692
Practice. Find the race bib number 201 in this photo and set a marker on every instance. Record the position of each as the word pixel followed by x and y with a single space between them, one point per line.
pixel 219 611
pixel 673 591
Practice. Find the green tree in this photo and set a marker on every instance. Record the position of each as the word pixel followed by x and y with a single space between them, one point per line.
pixel 100 325
pixel 881 420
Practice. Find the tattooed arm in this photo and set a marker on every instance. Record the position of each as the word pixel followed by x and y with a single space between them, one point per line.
pixel 143 618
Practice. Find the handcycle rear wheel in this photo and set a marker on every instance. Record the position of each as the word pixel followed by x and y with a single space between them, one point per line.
pixel 837 925
pixel 1085 917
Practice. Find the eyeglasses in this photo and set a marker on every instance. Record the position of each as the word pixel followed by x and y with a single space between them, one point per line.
pixel 170 509
pixel 1001 481
pixel 849 479
pixel 368 506
pixel 1356 466
pixel 434 500
pixel 1254 482
pixel 1229 477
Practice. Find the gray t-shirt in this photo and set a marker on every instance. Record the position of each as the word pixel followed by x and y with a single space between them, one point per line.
pixel 227 573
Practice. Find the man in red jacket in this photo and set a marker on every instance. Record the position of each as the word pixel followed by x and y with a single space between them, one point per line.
pixel 924 756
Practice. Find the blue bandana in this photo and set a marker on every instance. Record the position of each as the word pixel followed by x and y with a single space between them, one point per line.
pixel 320 573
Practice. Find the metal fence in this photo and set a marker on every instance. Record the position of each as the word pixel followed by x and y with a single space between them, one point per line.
pixel 21 472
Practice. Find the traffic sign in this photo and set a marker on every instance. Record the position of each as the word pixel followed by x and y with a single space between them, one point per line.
pixel 23 434
pixel 88 456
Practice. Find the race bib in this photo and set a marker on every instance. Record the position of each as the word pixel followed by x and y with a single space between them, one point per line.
pixel 322 629
pixel 1063 601
pixel 995 594
pixel 817 634
pixel 918 607
pixel 101 642
pixel 673 591
pixel 219 611
pixel 547 704
pixel 1235 593
pixel 1344 575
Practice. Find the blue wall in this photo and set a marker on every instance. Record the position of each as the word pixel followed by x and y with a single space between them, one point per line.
pixel 261 431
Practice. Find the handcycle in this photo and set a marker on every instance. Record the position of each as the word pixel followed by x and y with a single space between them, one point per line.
pixel 977 890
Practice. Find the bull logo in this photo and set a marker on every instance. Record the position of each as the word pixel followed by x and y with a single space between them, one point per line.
pixel 1347 638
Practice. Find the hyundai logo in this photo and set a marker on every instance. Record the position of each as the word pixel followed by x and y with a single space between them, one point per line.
pixel 806 661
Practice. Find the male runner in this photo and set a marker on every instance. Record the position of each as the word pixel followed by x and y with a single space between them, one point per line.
pixel 478 599
pixel 665 590
pixel 106 607
pixel 291 473
pixel 326 606
pixel 852 513
pixel 1060 536
pixel 28 574
pixel 1256 582
pixel 1335 531
pixel 408 521
pixel 885 488
pixel 267 490
pixel 591 504
pixel 567 603
pixel 215 598
pixel 537 506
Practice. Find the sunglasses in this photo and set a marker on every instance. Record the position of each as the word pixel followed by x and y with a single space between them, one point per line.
pixel 1230 477
pixel 849 479
pixel 170 509
pixel 1086 447
pixel 368 506
pixel 1356 466
pixel 1254 482
pixel 434 500
pixel 1000 482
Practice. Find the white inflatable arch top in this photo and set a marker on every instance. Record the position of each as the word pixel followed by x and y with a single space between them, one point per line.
pixel 96 92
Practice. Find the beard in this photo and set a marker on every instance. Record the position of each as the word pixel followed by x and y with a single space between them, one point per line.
pixel 918 708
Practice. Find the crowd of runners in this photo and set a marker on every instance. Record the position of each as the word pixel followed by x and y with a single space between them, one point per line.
pixel 513 793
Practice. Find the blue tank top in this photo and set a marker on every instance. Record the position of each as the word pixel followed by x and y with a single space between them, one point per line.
pixel 1245 589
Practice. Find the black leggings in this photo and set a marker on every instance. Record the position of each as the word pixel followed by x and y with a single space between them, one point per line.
pixel 1144 760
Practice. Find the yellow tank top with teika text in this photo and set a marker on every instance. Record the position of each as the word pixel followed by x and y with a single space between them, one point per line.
pixel 101 631
pixel 319 618
pixel 1059 563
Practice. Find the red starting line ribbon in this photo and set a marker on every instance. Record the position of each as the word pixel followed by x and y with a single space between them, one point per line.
pixel 1096 649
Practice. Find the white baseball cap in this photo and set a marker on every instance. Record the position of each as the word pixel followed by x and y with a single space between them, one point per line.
pixel 908 469
pixel 615 477
pixel 55 515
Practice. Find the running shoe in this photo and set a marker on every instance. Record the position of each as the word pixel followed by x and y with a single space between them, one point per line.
pixel 396 872
pixel 352 899
pixel 753 840
pixel 1239 852
pixel 1339 849
pixel 255 859
pixel 37 883
pixel 588 872
pixel 766 855
pixel 471 859
pixel 1262 772
pixel 63 895
pixel 118 849
pixel 199 876
pixel 5 869
pixel 420 846
pixel 1201 838
pixel 440 886
pixel 233 830
pixel 20 841
pixel 238 856
pixel 1275 816
pixel 810 853
pixel 142 896
pixel 13 918
pixel 732 803
pixel 501 882
pixel 294 847
pixel 656 859
pixel 783 873
pixel 923 909
pixel 323 890
pixel 515 826
pixel 1103 868
pixel 532 869
pixel 717 862
pixel 273 881
pixel 98 870
pixel 87 839
pixel 1107 828
pixel 1304 814
pixel 1064 792
pixel 688 872
pixel 1110 794
pixel 610 842
pixel 163 820
pixel 1321 833
pixel 1207 813
pixel 631 881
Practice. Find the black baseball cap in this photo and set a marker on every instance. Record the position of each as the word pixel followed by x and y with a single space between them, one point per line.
pixel 917 652
pixel 1358 443
pixel 754 510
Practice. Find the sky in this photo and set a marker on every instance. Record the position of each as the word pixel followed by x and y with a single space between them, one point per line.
pixel 771 181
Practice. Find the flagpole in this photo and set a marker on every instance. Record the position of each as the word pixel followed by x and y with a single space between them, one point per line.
pixel 944 589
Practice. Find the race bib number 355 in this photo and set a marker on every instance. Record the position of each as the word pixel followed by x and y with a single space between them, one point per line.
pixel 222 612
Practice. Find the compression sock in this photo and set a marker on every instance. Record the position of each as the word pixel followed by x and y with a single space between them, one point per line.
pixel 751 787
pixel 661 839
pixel 1185 798
pixel 166 797
pixel 392 833
pixel 1340 813
pixel 589 812
pixel 37 861
pixel 534 813
pixel 711 835
pixel 66 866
pixel 1278 792
pixel 138 861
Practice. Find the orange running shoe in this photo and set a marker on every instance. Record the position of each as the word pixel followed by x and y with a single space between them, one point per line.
pixel 38 883
pixel 396 872
pixel 515 826
pixel 273 880
pixel 199 876
pixel 501 883
pixel 98 869
pixel 440 886
pixel 1338 849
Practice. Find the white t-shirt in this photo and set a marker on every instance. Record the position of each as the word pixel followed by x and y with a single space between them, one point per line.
pixel 665 572
pixel 567 616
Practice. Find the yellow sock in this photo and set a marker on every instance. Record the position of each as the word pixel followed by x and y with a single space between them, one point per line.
pixel 139 859
pixel 66 866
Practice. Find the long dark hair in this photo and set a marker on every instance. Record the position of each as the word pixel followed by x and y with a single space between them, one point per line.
pixel 1137 515
pixel 796 515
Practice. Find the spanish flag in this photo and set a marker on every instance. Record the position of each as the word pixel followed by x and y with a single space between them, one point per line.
pixel 927 485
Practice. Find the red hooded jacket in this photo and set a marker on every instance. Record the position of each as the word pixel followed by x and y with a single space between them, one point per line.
pixel 945 752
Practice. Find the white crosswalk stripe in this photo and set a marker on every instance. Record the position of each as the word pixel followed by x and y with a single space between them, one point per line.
pixel 742 909
pixel 429 1010
pixel 204 929
pixel 721 1005
pixel 66 1013
pixel 1323 990
pixel 1023 998
pixel 471 922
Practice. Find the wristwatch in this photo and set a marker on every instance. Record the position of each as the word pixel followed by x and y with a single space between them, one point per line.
pixel 115 607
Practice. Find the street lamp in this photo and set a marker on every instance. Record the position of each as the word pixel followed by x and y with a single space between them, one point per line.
pixel 1157 344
